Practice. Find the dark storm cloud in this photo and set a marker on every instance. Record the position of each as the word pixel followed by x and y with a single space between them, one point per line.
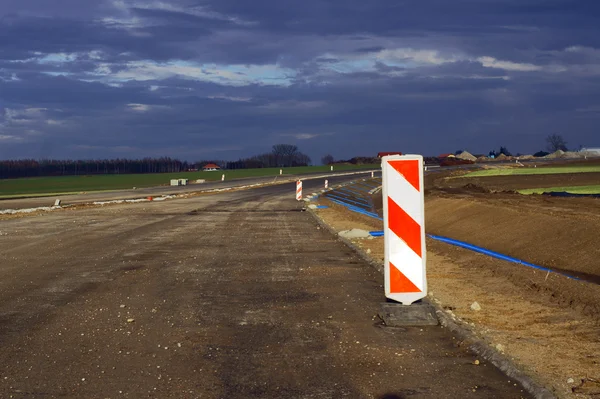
pixel 228 78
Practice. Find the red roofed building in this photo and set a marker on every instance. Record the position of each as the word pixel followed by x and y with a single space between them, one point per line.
pixel 210 167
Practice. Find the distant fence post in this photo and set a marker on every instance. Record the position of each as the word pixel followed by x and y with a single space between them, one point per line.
pixel 223 177
pixel 404 228
pixel 326 184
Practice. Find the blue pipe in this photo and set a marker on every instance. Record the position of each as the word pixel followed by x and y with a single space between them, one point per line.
pixel 355 192
pixel 356 209
pixel 485 252
pixel 343 201
pixel 329 195
pixel 352 197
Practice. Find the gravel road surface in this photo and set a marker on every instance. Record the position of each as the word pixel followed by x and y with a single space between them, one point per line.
pixel 231 295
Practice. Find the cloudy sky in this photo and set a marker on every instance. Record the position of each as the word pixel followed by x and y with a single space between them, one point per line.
pixel 229 78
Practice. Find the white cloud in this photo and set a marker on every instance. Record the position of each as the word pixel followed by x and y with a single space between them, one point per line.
pixel 232 75
pixel 305 136
pixel 9 138
pixel 139 107
pixel 145 107
pixel 412 56
pixel 230 98
pixel 491 62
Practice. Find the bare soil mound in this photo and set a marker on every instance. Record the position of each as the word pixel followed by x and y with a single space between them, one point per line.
pixel 467 156
pixel 558 233
pixel 511 183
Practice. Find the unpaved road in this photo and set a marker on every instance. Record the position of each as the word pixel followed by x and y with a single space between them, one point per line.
pixel 236 295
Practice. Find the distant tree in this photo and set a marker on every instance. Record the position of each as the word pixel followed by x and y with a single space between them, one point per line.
pixel 458 152
pixel 492 154
pixel 285 153
pixel 327 159
pixel 540 154
pixel 504 150
pixel 556 142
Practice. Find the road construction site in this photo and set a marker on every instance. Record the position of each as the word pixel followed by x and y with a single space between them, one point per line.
pixel 233 294
pixel 242 293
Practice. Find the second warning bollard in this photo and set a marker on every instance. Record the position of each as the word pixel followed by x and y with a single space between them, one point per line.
pixel 299 190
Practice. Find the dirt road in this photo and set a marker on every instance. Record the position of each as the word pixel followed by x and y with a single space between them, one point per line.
pixel 235 295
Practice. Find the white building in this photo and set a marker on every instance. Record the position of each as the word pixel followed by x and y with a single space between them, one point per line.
pixel 595 150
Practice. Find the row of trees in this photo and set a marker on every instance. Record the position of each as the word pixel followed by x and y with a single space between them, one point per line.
pixel 281 155
pixel 33 168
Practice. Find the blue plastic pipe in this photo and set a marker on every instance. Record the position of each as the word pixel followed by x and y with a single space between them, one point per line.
pixel 484 251
pixel 346 200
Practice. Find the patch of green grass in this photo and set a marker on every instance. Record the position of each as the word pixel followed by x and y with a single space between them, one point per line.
pixel 533 171
pixel 570 189
pixel 76 184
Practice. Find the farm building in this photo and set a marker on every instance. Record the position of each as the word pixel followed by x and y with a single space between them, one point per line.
pixel 210 167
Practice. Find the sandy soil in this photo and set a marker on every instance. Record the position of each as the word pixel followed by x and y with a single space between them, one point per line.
pixel 509 183
pixel 553 337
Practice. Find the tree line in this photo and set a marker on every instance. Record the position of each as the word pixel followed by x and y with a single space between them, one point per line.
pixel 281 155
pixel 52 167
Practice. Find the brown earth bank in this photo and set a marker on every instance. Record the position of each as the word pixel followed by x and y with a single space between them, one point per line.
pixel 558 233
pixel 510 183
pixel 543 322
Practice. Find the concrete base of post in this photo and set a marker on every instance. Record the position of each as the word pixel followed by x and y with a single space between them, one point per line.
pixel 418 314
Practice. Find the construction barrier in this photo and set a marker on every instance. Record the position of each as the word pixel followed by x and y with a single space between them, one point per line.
pixel 404 228
pixel 299 190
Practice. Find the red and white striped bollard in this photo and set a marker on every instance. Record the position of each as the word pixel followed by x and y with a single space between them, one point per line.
pixel 404 228
pixel 299 190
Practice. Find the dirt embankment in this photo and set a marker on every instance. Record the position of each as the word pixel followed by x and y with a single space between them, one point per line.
pixel 559 233
pixel 513 183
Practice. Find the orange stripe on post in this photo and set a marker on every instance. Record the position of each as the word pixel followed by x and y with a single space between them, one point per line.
pixel 404 227
pixel 410 171
pixel 399 282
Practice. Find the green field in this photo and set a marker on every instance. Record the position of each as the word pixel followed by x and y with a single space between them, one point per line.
pixel 533 171
pixel 76 184
pixel 571 189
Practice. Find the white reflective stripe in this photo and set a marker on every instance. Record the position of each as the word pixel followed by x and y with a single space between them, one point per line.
pixel 404 194
pixel 405 260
